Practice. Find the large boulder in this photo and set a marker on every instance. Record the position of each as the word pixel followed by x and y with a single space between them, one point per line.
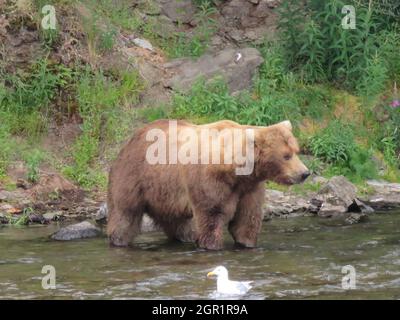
pixel 236 66
pixel 338 196
pixel 80 230
pixel 339 191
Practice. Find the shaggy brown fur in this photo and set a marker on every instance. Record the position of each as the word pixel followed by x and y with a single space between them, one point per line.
pixel 193 202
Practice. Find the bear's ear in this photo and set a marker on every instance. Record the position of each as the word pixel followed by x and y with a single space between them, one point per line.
pixel 287 124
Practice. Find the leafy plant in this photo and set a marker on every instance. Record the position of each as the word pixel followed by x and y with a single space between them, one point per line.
pixel 195 44
pixel 320 49
pixel 105 109
pixel 33 160
pixel 334 143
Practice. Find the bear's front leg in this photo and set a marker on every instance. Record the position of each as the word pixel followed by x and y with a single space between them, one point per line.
pixel 246 224
pixel 209 225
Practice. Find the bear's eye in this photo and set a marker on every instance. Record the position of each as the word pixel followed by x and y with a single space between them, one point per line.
pixel 287 156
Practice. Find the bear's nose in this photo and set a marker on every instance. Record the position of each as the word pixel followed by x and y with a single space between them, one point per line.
pixel 305 175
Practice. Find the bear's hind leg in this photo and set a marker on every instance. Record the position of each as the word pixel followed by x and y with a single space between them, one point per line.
pixel 246 224
pixel 209 226
pixel 123 225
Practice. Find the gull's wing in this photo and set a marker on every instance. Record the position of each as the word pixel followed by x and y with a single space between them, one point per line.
pixel 243 286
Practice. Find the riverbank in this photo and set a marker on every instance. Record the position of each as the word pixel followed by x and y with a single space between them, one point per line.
pixel 54 198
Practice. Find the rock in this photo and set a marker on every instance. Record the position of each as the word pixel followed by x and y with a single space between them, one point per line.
pixel 76 231
pixel 386 195
pixel 235 66
pixel 3 218
pixel 262 10
pixel 37 218
pixel 102 213
pixel 53 183
pixel 328 210
pixel 338 191
pixel 178 10
pixel 53 216
pixel 281 204
pixel 244 21
pixel 354 218
pixel 143 43
pixel 314 179
pixel 359 206
pixel 23 184
pixel 4 208
pixel 337 196
pixel 16 196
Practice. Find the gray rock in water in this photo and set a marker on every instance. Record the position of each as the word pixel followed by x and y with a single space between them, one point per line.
pixel 356 218
pixel 80 230
pixel 339 191
pixel 359 206
pixel 338 196
pixel 328 210
pixel 235 66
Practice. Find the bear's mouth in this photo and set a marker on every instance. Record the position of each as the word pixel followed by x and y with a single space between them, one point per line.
pixel 287 180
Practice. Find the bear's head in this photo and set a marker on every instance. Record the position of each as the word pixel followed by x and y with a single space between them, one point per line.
pixel 276 155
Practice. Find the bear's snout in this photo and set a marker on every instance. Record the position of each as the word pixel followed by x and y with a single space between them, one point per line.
pixel 305 175
pixel 300 177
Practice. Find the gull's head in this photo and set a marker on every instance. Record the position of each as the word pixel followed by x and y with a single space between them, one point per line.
pixel 219 271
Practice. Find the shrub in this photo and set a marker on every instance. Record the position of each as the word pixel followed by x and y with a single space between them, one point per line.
pixel 33 160
pixel 334 143
pixel 316 45
pixel 105 109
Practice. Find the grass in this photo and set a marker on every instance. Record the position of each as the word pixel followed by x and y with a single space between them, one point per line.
pixel 300 189
pixel 174 43
pixel 105 105
pixel 33 160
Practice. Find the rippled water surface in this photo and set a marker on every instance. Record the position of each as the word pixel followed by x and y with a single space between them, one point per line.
pixel 298 258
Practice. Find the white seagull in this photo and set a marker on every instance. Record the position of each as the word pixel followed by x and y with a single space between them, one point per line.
pixel 226 286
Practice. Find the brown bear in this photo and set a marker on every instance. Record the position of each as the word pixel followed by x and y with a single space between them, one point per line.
pixel 188 180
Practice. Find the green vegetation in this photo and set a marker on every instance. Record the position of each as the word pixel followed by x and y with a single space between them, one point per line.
pixel 193 45
pixel 320 49
pixel 33 160
pixel 338 87
pixel 105 108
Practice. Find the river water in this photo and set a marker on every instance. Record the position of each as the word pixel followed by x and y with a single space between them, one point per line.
pixel 297 258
